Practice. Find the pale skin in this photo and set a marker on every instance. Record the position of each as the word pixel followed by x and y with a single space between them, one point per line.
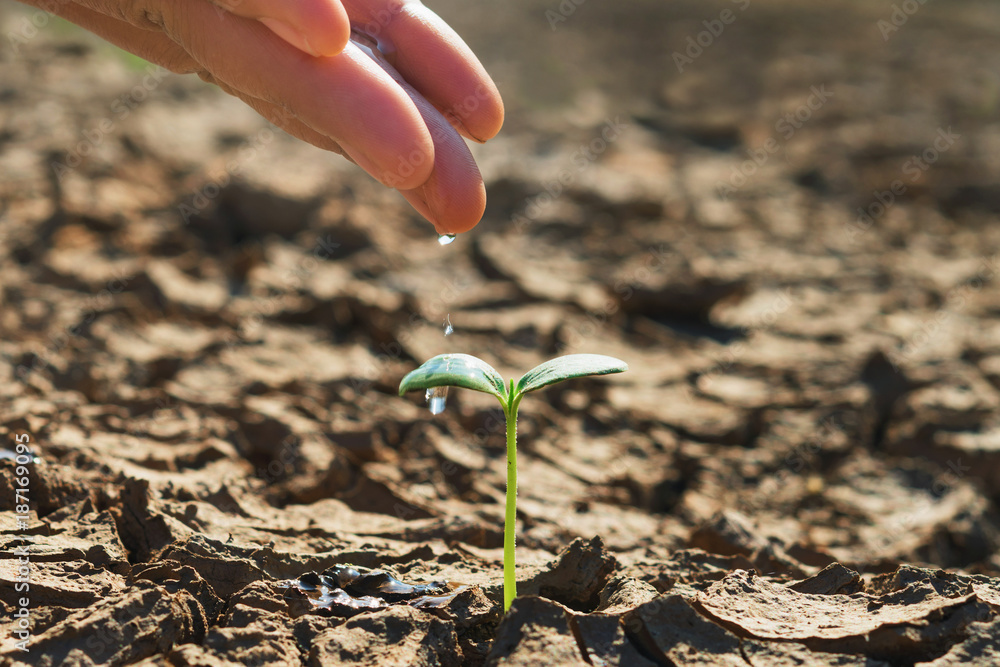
pixel 395 95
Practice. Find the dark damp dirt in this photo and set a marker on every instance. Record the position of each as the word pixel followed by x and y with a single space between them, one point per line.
pixel 793 243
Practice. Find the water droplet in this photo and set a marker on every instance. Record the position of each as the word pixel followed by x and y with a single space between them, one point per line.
pixel 436 398
pixel 448 329
pixel 369 590
pixel 14 456
pixel 445 239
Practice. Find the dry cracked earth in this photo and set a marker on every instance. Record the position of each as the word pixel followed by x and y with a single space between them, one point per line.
pixel 792 242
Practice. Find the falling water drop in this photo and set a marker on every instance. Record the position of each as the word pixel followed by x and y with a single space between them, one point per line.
pixel 448 329
pixel 436 398
pixel 445 239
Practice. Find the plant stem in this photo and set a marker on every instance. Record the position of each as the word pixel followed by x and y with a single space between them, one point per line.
pixel 510 518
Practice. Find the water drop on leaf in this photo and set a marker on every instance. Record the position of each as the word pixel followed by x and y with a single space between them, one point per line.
pixel 436 398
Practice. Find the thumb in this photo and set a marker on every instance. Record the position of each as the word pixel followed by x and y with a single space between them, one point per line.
pixel 318 27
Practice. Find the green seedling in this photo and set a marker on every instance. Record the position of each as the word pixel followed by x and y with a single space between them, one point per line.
pixel 463 370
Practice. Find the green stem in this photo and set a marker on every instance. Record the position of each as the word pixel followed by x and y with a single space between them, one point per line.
pixel 509 524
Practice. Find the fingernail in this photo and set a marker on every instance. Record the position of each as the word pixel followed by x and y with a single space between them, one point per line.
pixel 462 129
pixel 290 34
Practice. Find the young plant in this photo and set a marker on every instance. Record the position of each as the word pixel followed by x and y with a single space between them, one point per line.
pixel 463 370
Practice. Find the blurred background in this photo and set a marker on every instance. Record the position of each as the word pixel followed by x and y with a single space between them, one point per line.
pixel 782 214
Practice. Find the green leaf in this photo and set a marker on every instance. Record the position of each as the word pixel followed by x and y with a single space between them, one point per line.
pixel 566 368
pixel 455 370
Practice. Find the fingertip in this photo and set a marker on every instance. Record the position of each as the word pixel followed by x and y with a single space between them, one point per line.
pixel 320 28
pixel 375 120
pixel 450 210
pixel 408 167
pixel 290 34
pixel 438 63
pixel 488 119
pixel 461 215
pixel 329 30
pixel 404 174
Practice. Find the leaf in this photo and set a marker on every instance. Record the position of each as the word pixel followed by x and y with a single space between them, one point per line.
pixel 455 370
pixel 566 368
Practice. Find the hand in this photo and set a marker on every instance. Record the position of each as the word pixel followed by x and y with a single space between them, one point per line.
pixel 393 95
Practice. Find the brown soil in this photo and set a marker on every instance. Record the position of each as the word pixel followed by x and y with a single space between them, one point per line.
pixel 203 324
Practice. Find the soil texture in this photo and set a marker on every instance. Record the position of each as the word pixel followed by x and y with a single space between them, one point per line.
pixel 782 215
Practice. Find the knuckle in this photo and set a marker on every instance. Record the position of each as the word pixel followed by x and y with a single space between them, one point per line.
pixel 144 14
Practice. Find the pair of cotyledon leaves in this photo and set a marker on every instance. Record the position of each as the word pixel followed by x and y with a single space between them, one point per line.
pixel 464 370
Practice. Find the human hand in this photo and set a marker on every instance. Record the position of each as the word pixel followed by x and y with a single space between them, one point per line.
pixel 393 95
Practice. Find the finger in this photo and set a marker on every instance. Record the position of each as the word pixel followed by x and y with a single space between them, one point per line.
pixel 161 50
pixel 453 198
pixel 346 97
pixel 435 60
pixel 318 27
pixel 155 47
pixel 283 119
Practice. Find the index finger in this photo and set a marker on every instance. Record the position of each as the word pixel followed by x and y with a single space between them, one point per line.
pixel 318 27
pixel 434 60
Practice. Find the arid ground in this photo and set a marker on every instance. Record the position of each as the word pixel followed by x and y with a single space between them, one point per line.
pixel 782 214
